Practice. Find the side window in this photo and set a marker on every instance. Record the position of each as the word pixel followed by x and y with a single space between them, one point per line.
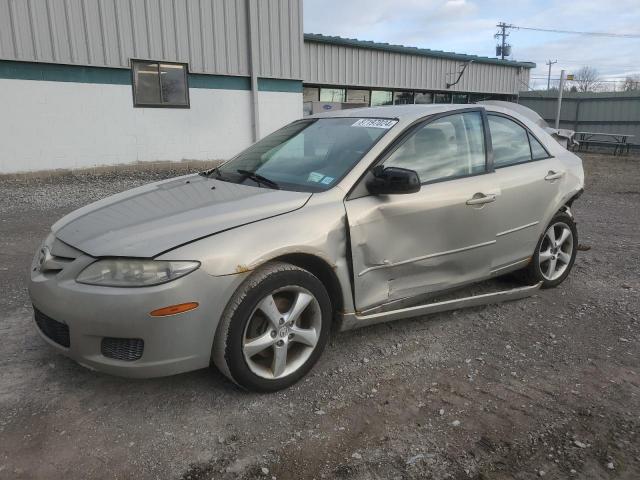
pixel 510 142
pixel 450 147
pixel 537 150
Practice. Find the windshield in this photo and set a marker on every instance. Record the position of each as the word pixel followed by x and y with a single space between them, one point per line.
pixel 309 155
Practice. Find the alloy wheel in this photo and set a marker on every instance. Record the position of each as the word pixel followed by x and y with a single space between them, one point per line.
pixel 282 332
pixel 556 250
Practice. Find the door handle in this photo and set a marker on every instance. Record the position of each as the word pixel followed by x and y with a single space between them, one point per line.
pixel 481 199
pixel 553 175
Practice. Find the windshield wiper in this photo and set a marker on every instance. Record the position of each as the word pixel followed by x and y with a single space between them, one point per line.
pixel 256 177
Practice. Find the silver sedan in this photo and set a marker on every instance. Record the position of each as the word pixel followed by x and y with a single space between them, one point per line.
pixel 349 218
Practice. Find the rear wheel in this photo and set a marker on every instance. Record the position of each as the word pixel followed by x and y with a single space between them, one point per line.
pixel 555 253
pixel 274 329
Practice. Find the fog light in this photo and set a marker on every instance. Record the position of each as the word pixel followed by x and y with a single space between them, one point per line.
pixel 174 309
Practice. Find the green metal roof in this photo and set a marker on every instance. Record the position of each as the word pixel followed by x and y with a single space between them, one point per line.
pixel 354 42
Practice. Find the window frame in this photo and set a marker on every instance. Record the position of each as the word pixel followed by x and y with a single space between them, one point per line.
pixel 529 135
pixel 418 124
pixel 134 85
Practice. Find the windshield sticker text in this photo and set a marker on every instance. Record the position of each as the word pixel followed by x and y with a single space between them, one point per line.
pixel 315 177
pixel 375 123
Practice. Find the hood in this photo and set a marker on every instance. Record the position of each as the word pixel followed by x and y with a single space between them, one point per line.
pixel 154 218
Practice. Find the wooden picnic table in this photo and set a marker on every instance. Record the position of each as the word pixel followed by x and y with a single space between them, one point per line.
pixel 618 140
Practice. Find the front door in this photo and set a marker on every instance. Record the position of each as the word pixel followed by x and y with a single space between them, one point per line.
pixel 408 245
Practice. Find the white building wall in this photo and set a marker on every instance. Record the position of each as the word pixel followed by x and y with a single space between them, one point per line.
pixel 278 109
pixel 49 125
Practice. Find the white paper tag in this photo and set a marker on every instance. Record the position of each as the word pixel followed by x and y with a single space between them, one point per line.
pixel 375 123
pixel 315 177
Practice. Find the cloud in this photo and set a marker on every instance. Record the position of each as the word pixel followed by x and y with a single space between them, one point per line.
pixel 468 26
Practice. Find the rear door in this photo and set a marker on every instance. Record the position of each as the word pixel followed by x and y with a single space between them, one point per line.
pixel 529 179
pixel 408 245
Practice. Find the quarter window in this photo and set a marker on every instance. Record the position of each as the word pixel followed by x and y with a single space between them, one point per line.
pixel 537 150
pixel 160 84
pixel 449 147
pixel 510 142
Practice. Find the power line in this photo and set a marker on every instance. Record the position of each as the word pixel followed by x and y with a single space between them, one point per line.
pixel 620 80
pixel 575 32
pixel 605 79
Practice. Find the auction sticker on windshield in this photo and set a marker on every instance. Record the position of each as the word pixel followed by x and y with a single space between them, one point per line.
pixel 315 177
pixel 375 123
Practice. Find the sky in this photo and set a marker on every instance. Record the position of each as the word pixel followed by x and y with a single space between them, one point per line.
pixel 468 26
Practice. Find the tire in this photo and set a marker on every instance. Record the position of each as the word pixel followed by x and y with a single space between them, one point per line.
pixel 252 338
pixel 564 255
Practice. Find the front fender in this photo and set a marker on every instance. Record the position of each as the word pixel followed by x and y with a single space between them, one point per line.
pixel 317 229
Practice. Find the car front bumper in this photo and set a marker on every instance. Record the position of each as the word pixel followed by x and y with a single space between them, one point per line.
pixel 171 344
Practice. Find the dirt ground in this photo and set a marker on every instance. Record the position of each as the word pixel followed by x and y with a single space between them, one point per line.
pixel 543 387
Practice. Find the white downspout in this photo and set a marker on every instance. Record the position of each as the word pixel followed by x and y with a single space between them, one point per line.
pixel 253 67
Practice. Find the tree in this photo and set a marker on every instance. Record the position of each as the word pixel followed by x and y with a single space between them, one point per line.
pixel 587 79
pixel 632 82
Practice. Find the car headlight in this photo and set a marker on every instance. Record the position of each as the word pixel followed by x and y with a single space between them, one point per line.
pixel 131 272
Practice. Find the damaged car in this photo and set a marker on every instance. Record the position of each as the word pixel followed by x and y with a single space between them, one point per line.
pixel 344 219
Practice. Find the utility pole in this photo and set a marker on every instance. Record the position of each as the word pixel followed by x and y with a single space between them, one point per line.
pixel 560 89
pixel 503 34
pixel 549 76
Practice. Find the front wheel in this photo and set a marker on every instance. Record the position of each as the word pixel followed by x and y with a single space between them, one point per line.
pixel 274 329
pixel 555 253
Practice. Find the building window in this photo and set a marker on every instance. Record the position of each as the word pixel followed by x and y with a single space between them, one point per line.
pixel 358 96
pixel 160 84
pixel 421 98
pixel 381 97
pixel 310 94
pixel 460 98
pixel 442 98
pixel 332 95
pixel 402 98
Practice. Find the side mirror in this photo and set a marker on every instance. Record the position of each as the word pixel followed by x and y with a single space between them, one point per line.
pixel 393 180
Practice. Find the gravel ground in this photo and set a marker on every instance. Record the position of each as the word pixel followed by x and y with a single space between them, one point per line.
pixel 543 387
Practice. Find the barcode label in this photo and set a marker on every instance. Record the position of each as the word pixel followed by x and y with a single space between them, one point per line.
pixel 375 123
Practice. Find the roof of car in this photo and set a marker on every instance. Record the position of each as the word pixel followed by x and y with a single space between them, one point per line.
pixel 407 114
pixel 401 112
